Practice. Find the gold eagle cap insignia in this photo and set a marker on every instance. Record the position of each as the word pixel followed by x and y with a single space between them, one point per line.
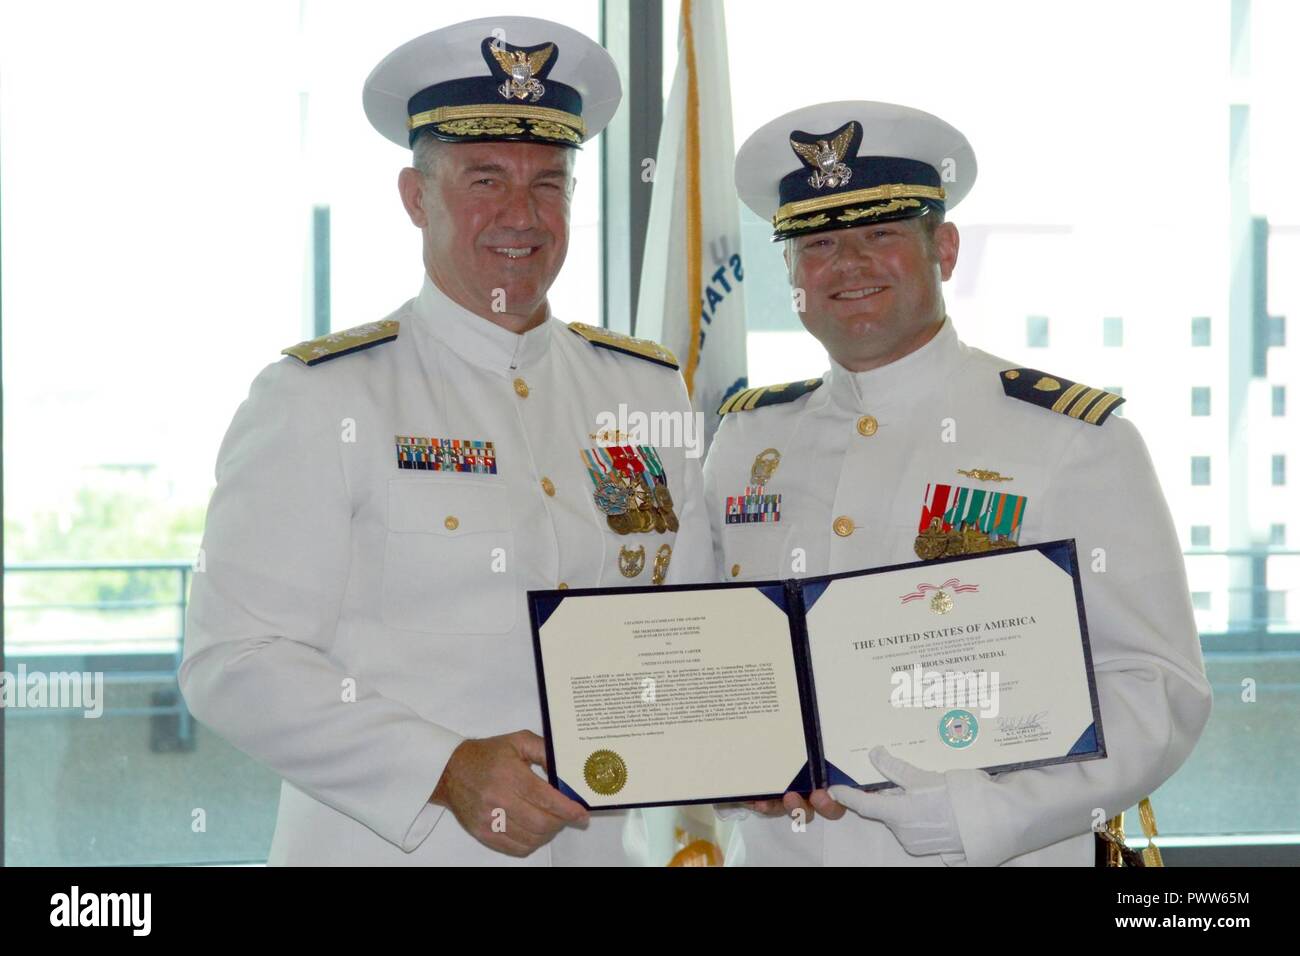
pixel 534 61
pixel 826 158
pixel 538 58
pixel 521 71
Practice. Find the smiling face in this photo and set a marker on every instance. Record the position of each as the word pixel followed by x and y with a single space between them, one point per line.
pixel 872 294
pixel 495 221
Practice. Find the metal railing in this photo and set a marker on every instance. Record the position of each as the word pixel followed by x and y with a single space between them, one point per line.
pixel 123 662
pixel 128 661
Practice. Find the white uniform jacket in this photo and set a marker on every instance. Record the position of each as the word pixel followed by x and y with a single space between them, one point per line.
pixel 359 613
pixel 866 447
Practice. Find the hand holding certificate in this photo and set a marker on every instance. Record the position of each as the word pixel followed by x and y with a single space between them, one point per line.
pixel 727 692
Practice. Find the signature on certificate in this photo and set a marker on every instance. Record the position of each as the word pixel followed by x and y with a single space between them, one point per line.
pixel 1022 723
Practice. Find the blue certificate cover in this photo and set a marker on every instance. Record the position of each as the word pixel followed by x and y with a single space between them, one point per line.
pixel 719 693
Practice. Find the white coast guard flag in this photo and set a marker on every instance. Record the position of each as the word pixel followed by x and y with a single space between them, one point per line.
pixel 692 300
pixel 692 295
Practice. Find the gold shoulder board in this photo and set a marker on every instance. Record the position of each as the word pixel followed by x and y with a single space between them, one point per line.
pixel 764 395
pixel 1091 405
pixel 641 348
pixel 331 346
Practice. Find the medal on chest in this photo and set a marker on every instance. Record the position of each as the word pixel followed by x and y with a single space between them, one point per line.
pixel 957 520
pixel 755 504
pixel 631 489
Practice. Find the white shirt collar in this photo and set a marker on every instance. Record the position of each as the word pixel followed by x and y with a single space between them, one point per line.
pixel 900 381
pixel 476 339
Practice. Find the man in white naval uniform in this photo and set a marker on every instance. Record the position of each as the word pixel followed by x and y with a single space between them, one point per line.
pixel 386 495
pixel 868 459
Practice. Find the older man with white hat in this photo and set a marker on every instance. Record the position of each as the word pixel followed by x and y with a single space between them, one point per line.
pixel 387 494
pixel 916 445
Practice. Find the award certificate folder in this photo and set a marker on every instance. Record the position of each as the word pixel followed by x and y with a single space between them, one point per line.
pixel 717 693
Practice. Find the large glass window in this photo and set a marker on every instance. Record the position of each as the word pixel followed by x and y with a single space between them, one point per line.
pixel 1046 232
pixel 1200 470
pixel 1276 331
pixel 187 189
pixel 1201 331
pixel 1037 332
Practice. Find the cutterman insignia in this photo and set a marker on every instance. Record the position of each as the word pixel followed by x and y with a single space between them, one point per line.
pixel 662 557
pixel 315 351
pixel 752 398
pixel 642 348
pixel 1091 405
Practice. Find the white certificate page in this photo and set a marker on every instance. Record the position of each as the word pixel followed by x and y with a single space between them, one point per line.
pixel 672 696
pixel 976 663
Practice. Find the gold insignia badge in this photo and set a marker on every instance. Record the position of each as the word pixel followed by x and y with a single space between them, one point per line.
pixel 941 603
pixel 934 542
pixel 662 557
pixel 663 500
pixel 826 158
pixel 983 474
pixel 631 563
pixel 765 464
pixel 1047 384
pixel 605 772
pixel 521 68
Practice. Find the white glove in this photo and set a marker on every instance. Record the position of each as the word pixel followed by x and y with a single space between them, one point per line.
pixel 728 812
pixel 919 815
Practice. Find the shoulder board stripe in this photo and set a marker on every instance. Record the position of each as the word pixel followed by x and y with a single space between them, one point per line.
pixel 331 346
pixel 1073 399
pixel 618 342
pixel 764 395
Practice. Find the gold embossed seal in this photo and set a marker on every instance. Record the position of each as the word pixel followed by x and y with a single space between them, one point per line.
pixel 605 772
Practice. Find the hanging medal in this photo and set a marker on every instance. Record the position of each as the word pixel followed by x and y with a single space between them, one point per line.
pixel 660 495
pixel 662 557
pixel 612 494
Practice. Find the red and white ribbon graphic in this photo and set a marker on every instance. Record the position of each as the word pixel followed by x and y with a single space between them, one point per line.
pixel 952 584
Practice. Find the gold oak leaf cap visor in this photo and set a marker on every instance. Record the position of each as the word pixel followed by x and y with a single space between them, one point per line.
pixel 497 79
pixel 852 163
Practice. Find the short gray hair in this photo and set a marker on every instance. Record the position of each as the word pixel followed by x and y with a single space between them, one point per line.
pixel 426 152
